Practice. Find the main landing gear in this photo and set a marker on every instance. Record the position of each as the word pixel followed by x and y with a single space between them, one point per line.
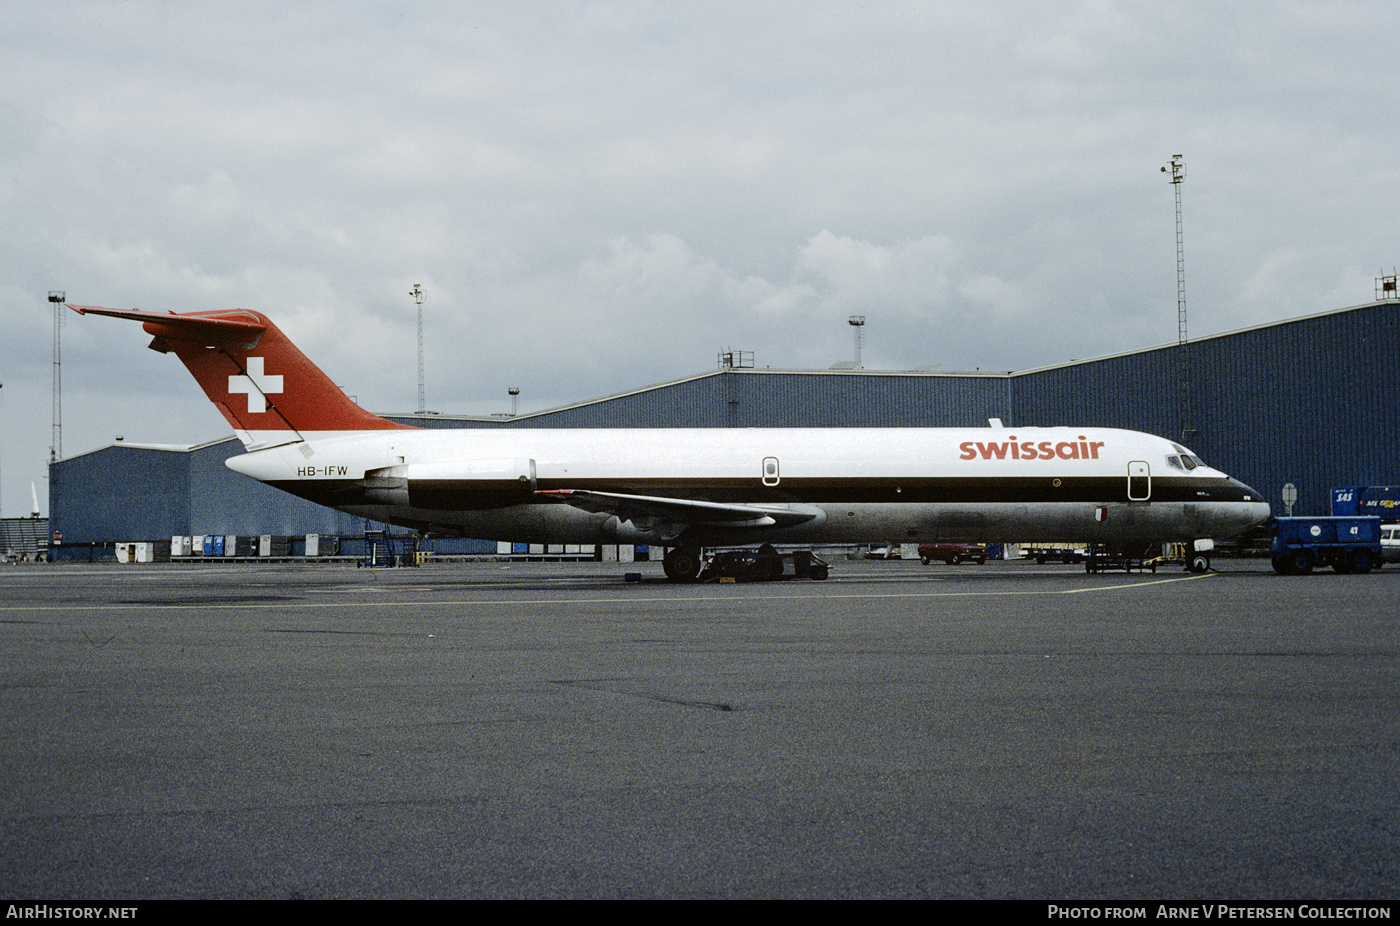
pixel 688 564
pixel 682 564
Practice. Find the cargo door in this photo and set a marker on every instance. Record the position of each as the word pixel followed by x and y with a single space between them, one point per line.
pixel 1139 481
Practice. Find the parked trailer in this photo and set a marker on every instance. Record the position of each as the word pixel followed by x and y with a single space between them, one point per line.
pixel 1058 553
pixel 1129 557
pixel 1347 544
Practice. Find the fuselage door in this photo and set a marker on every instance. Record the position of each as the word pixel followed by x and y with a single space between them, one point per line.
pixel 770 471
pixel 1139 481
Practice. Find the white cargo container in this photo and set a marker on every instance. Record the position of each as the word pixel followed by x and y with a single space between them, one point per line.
pixel 143 552
pixel 273 545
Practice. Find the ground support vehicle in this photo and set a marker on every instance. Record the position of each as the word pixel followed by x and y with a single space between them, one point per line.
pixel 1127 557
pixel 1043 555
pixel 952 553
pixel 765 563
pixel 1347 544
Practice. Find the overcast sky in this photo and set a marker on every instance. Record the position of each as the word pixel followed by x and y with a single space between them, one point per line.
pixel 597 196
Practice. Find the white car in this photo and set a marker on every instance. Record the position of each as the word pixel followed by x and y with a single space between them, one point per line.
pixel 1390 543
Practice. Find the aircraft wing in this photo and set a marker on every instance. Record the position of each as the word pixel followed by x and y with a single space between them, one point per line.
pixel 673 515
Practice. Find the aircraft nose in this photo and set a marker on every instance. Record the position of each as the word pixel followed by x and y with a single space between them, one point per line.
pixel 1255 509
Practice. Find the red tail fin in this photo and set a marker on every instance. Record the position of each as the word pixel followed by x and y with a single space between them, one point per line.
pixel 263 385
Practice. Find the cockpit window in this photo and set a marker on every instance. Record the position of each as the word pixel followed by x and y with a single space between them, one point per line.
pixel 1190 462
pixel 1174 462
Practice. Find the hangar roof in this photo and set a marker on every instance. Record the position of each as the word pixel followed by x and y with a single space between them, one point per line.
pixel 1207 337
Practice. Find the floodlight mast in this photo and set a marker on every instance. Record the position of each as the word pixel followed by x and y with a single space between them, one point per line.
pixel 57 297
pixel 1177 168
pixel 858 323
pixel 418 296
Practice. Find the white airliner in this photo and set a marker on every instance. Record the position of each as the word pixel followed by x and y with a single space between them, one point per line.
pixel 686 489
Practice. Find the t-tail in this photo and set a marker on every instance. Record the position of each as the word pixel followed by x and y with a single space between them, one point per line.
pixel 265 387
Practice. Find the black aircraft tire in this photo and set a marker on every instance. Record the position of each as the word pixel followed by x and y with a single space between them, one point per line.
pixel 682 564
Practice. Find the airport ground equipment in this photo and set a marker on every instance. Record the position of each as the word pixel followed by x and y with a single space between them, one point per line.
pixel 1347 544
pixel 385 548
pixel 1135 557
pixel 765 563
pixel 1381 501
pixel 1057 553
pixel 1195 557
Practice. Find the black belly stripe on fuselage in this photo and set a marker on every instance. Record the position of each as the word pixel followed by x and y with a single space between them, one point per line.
pixel 456 496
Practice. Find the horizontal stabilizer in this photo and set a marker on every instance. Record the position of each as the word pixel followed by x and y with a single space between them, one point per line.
pixel 233 326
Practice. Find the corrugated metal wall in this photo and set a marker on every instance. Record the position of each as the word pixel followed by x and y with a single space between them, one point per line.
pixel 1312 402
pixel 111 493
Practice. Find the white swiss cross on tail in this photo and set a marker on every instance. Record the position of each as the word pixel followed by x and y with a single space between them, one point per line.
pixel 255 384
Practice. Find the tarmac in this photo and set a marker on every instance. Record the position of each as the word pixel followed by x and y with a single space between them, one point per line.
pixel 548 730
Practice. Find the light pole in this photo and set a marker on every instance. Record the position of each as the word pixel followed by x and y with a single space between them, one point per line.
pixel 418 296
pixel 56 446
pixel 1177 168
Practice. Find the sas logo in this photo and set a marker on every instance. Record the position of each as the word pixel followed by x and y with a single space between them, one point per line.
pixel 1009 449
